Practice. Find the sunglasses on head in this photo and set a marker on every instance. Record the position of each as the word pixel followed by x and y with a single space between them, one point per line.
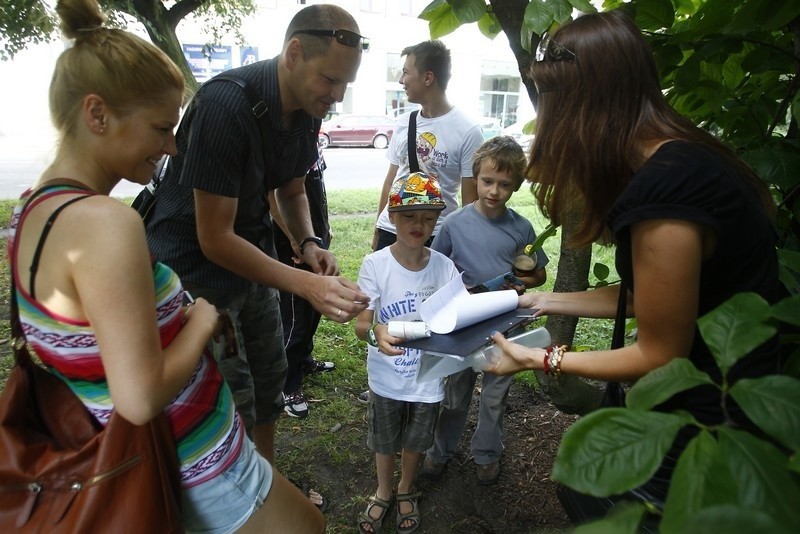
pixel 549 50
pixel 343 37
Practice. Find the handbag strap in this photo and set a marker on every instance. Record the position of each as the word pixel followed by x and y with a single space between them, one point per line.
pixel 618 337
pixel 413 164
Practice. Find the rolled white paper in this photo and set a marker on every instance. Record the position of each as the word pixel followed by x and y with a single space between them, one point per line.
pixel 409 329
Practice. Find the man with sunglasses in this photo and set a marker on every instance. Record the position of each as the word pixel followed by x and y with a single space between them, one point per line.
pixel 211 224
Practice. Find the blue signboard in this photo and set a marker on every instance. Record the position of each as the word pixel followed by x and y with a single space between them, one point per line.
pixel 207 60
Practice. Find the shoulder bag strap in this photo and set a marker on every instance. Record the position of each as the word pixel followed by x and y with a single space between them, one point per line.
pixel 618 337
pixel 413 164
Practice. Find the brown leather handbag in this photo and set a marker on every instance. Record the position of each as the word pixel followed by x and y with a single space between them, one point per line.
pixel 60 471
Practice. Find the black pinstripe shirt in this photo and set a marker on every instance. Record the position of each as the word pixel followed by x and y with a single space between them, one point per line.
pixel 220 151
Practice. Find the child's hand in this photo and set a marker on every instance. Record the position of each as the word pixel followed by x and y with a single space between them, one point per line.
pixel 520 289
pixel 386 341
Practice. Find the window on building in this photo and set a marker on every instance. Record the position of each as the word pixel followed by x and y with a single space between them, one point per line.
pixel 373 6
pixel 499 93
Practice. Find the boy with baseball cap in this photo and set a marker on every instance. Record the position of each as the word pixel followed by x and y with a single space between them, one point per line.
pixel 401 412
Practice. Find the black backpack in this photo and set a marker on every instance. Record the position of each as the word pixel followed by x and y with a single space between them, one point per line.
pixel 145 201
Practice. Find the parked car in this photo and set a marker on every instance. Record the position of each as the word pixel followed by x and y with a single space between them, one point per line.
pixel 517 131
pixel 356 130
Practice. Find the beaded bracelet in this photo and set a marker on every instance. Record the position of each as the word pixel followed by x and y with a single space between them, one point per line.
pixel 371 338
pixel 552 360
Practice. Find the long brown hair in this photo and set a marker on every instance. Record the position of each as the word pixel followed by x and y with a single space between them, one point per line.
pixel 594 114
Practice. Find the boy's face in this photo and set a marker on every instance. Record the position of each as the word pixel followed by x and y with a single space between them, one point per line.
pixel 494 189
pixel 414 227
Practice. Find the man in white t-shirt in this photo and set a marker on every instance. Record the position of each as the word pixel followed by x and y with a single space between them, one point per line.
pixel 445 137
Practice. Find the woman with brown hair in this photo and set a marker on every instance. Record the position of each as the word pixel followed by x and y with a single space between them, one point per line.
pixel 100 314
pixel 677 204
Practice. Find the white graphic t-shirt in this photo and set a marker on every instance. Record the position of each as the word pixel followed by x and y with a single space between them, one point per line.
pixel 396 294
pixel 445 146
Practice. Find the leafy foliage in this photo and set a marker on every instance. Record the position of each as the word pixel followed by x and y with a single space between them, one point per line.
pixel 723 468
pixel 26 22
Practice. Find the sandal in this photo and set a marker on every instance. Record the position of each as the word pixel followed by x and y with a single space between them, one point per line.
pixel 374 522
pixel 305 489
pixel 412 516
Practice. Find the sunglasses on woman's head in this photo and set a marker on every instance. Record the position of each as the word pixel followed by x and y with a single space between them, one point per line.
pixel 549 50
pixel 343 37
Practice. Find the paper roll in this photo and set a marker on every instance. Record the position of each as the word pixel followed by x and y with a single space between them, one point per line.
pixel 409 329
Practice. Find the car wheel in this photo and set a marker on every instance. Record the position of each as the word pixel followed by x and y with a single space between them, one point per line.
pixel 380 141
pixel 324 141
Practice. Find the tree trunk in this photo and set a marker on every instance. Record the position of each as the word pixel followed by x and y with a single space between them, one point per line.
pixel 569 394
pixel 160 25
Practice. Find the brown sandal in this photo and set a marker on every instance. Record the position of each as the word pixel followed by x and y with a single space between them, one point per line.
pixel 374 522
pixel 412 516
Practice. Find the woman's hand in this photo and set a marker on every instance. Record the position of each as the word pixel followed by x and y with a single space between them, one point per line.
pixel 204 313
pixel 515 358
pixel 540 301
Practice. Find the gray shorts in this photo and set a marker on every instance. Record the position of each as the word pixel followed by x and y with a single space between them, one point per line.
pixel 395 425
pixel 257 374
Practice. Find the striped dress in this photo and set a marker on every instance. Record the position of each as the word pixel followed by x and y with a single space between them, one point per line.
pixel 207 430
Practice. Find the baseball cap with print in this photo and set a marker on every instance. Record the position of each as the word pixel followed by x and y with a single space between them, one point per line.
pixel 416 191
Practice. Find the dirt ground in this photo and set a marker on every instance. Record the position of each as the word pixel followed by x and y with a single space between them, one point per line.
pixel 522 501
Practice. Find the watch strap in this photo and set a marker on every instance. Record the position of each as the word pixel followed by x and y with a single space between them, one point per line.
pixel 312 239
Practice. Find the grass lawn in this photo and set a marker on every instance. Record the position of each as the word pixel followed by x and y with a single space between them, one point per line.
pixel 352 220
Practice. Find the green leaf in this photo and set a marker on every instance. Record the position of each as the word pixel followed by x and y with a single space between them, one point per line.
pixel 773 403
pixel 613 450
pixel 794 463
pixel 732 518
pixel 434 10
pixel 735 328
pixel 538 17
pixel 468 11
pixel 788 310
pixel 447 23
pixel 792 365
pixel 623 518
pixel 489 25
pixel 779 167
pixel 662 383
pixel 701 479
pixel 763 480
pixel 584 6
pixel 601 271
pixel 562 10
pixel 548 232
pixel 654 14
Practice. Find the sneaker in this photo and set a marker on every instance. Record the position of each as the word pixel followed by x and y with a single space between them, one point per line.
pixel 433 470
pixel 317 366
pixel 364 397
pixel 488 474
pixel 295 404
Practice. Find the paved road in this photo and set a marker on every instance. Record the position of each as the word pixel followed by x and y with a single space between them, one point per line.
pixel 23 159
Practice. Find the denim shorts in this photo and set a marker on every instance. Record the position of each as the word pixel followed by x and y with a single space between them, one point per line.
pixel 256 375
pixel 395 425
pixel 225 503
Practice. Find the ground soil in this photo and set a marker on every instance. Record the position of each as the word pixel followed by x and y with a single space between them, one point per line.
pixel 523 499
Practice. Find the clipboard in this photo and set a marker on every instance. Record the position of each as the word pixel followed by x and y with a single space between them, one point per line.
pixel 446 354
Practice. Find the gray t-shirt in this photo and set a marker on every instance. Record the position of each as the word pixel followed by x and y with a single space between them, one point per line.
pixel 484 248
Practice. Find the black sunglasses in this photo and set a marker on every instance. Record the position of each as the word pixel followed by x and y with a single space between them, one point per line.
pixel 549 50
pixel 343 37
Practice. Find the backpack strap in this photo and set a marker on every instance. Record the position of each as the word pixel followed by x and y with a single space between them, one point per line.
pixel 413 164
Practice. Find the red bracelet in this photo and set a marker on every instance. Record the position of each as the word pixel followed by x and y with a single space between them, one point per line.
pixel 547 361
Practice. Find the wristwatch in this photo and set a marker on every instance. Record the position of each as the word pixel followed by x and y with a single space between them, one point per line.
pixel 313 239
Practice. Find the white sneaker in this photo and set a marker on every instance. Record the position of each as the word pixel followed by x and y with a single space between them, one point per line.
pixel 295 404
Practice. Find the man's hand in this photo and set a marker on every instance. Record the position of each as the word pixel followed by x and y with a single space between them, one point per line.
pixel 321 261
pixel 335 297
